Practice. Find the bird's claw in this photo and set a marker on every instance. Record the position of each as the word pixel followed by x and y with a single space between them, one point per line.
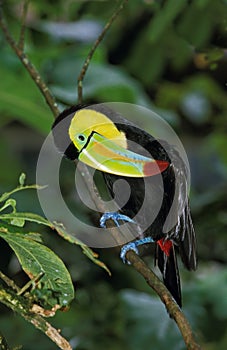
pixel 133 246
pixel 115 217
pixel 125 249
pixel 129 246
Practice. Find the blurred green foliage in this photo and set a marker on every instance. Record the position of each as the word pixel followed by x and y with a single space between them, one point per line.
pixel 166 55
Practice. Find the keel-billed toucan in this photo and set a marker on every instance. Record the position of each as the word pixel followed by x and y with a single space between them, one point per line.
pixel 104 140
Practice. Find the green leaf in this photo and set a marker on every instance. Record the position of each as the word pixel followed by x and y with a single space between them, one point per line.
pixel 61 231
pixel 9 203
pixel 18 222
pixel 5 227
pixel 32 217
pixel 22 179
pixel 86 250
pixel 19 218
pixel 55 286
pixel 20 98
pixel 6 195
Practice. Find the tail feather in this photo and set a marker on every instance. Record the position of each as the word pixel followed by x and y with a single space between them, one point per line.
pixel 169 269
pixel 187 243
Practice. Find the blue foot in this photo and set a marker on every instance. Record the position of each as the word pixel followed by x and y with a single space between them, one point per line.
pixel 115 217
pixel 133 246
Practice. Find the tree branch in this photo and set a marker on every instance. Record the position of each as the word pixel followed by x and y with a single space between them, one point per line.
pixel 142 268
pixel 31 69
pixel 93 49
pixel 22 306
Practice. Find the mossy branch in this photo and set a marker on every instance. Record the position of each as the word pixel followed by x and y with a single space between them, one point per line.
pixel 22 306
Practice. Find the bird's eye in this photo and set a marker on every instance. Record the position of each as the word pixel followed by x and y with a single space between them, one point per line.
pixel 81 138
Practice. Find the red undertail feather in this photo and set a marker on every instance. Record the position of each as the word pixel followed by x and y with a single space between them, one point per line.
pixel 165 245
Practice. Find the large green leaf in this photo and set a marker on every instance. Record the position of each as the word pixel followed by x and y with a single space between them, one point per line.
pixel 55 286
pixel 19 98
pixel 15 217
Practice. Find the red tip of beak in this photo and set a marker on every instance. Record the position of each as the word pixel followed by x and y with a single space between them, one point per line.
pixel 155 168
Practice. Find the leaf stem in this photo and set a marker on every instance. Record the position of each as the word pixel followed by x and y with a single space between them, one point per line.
pixel 6 195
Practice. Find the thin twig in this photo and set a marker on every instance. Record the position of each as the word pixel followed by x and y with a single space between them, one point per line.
pixel 50 100
pixel 22 30
pixel 10 283
pixel 93 49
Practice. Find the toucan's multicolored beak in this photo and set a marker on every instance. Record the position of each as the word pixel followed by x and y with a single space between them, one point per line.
pixel 107 156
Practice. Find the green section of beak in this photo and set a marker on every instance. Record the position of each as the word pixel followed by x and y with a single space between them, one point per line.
pixel 105 155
